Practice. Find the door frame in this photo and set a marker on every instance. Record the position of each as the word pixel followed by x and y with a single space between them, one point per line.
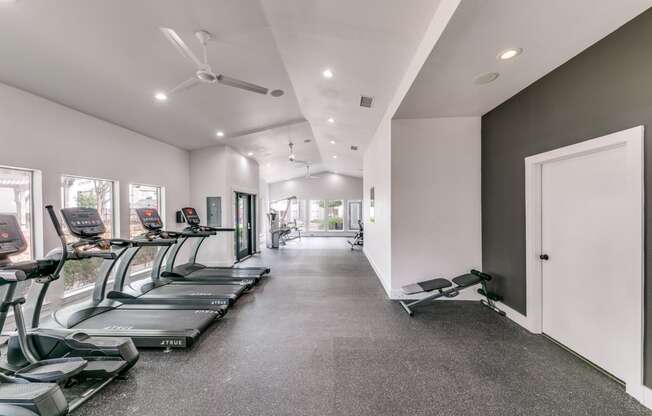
pixel 252 205
pixel 632 139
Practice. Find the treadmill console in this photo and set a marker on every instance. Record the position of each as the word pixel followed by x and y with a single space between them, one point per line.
pixel 149 218
pixel 191 216
pixel 12 240
pixel 83 222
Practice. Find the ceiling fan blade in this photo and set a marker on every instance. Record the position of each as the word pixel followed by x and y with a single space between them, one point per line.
pixel 178 43
pixel 185 85
pixel 243 85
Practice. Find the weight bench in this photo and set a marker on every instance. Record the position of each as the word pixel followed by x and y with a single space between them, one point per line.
pixel 445 288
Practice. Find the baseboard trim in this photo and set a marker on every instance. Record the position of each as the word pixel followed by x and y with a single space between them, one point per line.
pixel 638 391
pixel 379 275
pixel 641 393
pixel 516 316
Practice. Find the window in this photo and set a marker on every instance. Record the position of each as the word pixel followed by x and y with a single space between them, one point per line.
pixel 316 216
pixel 87 193
pixel 142 196
pixel 335 214
pixel 296 214
pixel 16 199
pixel 294 210
pixel 355 214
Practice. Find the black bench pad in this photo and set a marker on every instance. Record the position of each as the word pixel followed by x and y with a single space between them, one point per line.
pixel 466 280
pixel 435 284
pixel 426 286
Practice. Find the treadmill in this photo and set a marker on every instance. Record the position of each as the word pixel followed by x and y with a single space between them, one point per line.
pixel 197 271
pixel 148 325
pixel 151 221
pixel 150 290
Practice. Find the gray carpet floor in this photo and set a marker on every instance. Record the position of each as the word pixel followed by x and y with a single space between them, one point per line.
pixel 319 337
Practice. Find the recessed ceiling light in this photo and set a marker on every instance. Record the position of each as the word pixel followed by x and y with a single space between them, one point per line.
pixel 250 154
pixel 509 54
pixel 327 73
pixel 486 78
pixel 332 141
pixel 161 96
pixel 331 120
pixel 334 156
pixel 220 133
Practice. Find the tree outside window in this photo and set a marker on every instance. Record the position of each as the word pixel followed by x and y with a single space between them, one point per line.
pixel 86 193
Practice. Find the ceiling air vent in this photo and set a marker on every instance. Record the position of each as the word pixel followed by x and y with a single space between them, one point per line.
pixel 366 101
pixel 354 148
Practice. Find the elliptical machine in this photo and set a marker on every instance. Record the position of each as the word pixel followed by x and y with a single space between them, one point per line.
pixel 95 361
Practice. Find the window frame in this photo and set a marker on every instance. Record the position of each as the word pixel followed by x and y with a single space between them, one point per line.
pixel 161 199
pixel 75 294
pixel 324 215
pixel 328 217
pixel 115 197
pixel 35 237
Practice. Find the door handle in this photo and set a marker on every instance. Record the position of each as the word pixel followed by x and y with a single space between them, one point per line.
pixel 544 257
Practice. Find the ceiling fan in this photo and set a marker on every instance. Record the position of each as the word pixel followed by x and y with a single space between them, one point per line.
pixel 204 73
pixel 294 159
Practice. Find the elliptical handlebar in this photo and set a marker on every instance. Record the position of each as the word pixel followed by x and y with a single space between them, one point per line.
pixel 62 238
pixel 12 276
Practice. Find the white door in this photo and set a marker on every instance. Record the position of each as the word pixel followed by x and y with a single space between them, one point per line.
pixel 591 284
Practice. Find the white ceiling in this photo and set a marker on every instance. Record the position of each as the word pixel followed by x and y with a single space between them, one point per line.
pixel 270 148
pixel 108 57
pixel 550 32
pixel 367 44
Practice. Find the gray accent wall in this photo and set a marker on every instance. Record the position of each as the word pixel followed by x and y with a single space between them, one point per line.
pixel 605 89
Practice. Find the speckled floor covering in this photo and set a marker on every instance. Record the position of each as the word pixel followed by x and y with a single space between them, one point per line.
pixel 320 338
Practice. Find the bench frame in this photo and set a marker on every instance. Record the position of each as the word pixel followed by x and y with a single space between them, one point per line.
pixel 488 301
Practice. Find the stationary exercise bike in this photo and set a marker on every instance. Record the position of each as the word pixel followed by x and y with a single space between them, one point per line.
pixel 358 239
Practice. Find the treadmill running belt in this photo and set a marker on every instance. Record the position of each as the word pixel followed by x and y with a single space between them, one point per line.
pixel 209 272
pixel 216 291
pixel 149 319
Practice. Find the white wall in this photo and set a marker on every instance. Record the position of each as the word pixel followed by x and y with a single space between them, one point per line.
pixel 38 134
pixel 377 173
pixel 436 199
pixel 326 185
pixel 263 208
pixel 220 171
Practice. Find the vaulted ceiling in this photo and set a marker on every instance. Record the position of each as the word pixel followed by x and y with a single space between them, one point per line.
pixel 108 58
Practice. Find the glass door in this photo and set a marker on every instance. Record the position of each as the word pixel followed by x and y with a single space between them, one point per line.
pixel 245 207
pixel 355 214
